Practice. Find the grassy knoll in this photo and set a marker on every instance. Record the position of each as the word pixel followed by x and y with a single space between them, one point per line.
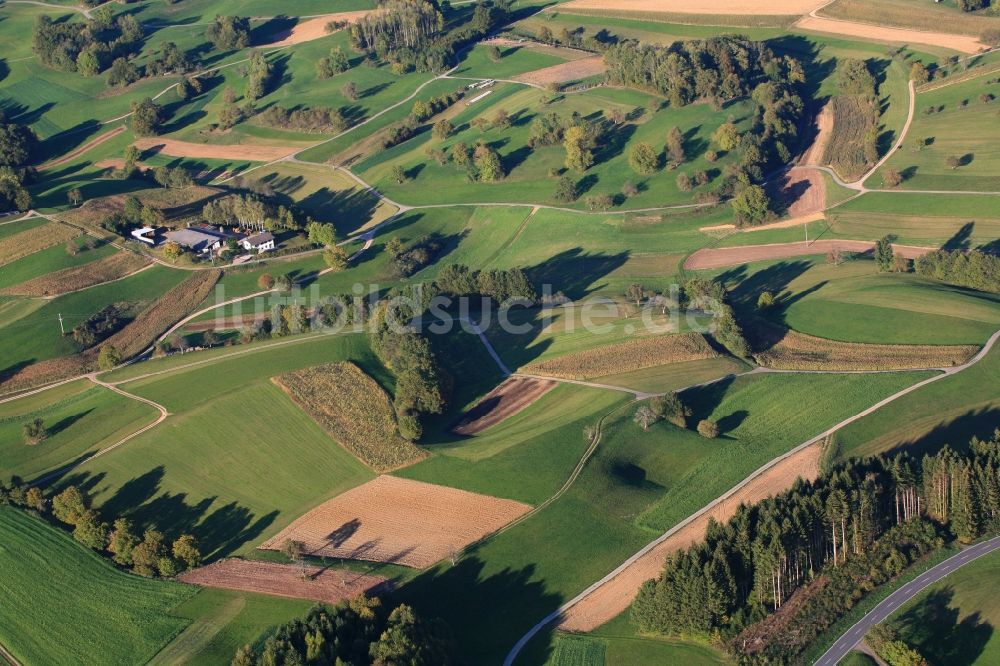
pixel 524 571
pixel 327 195
pixel 81 418
pixel 237 460
pixel 854 303
pixel 962 127
pixel 127 618
pixel 36 337
pixel 514 60
pixel 953 621
pixel 949 411
pixel 51 259
pixel 918 15
pixel 528 178
pixel 222 621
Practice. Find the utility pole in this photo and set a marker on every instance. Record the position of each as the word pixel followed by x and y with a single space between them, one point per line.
pixel 61 329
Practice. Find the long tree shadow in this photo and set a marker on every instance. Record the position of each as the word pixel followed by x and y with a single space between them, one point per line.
pixel 955 433
pixel 960 240
pixel 933 627
pixel 486 610
pixel 575 272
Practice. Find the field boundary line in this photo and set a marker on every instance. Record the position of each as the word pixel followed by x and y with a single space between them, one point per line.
pixel 555 615
pixel 6 655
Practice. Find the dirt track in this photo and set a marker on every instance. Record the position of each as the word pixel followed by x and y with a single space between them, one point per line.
pixel 737 7
pixel 283 580
pixel 961 43
pixel 824 129
pixel 507 399
pixel 574 70
pixel 251 153
pixel 397 520
pixel 719 257
pixel 306 31
pixel 613 597
pixel 93 143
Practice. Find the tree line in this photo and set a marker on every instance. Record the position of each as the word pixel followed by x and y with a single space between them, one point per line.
pixel 89 48
pixel 147 555
pixel 827 541
pixel 973 269
pixel 18 145
pixel 359 632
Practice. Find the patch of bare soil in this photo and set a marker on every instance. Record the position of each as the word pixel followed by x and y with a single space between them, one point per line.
pixel 398 520
pixel 248 152
pixel 574 70
pixel 610 599
pixel 745 7
pixel 802 192
pixel 719 257
pixel 72 155
pixel 507 399
pixel 878 33
pixel 824 129
pixel 310 29
pixel 285 580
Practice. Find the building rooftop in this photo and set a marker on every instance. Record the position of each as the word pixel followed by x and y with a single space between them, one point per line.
pixel 192 238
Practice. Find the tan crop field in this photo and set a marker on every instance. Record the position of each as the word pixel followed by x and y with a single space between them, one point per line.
pixel 20 245
pixel 314 28
pixel 853 115
pixel 879 33
pixel 109 268
pixel 354 410
pixel 165 311
pixel 927 16
pixel 574 70
pixel 400 521
pixel 721 7
pixel 798 351
pixel 645 352
pixel 507 399
pixel 284 580
pixel 249 152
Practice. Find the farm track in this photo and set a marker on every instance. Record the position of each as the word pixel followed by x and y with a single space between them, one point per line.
pixel 73 154
pixel 612 612
pixel 8 657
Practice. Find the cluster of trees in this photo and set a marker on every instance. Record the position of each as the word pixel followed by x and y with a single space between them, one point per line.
pixel 421 384
pixel 361 632
pixel 974 269
pixel 229 32
pixel 413 34
pixel 711 295
pixel 303 119
pixel 423 110
pixel 336 63
pixel 17 148
pixel 147 556
pixel 835 538
pixel 134 214
pixel 147 117
pixel 407 261
pixel 169 60
pixel 102 324
pixel 325 234
pixel 251 211
pixel 88 48
pixel 498 284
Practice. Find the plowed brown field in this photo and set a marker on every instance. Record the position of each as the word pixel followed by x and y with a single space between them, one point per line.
pixel 308 30
pixel 251 153
pixel 513 395
pixel 398 520
pixel 284 580
pixel 574 70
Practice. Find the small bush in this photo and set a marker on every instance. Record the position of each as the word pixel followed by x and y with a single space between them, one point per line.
pixel 708 429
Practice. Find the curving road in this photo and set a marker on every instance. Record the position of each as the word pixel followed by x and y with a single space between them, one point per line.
pixel 890 604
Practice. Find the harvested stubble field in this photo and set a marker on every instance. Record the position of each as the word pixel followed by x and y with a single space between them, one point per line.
pixel 924 16
pixel 798 351
pixel 723 7
pixel 248 152
pixel 719 257
pixel 110 268
pixel 880 33
pixel 400 521
pixel 574 70
pixel 506 400
pixel 645 352
pixel 23 243
pixel 354 410
pixel 284 580
pixel 314 28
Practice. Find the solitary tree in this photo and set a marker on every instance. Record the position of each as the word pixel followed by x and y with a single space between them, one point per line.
pixel 892 178
pixel 109 357
pixel 643 159
pixel 399 174
pixel 953 162
pixel 636 292
pixel 708 429
pixel 566 190
pixel 266 281
pixel 577 145
pixel 884 254
pixel 751 206
pixel 350 91
pixel 34 431
pixel 495 54
pixel 75 196
pixel 645 417
pixel 335 258
pixel 675 145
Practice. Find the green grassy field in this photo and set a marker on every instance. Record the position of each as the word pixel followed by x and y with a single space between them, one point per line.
pixel 237 460
pixel 36 336
pixel 854 303
pixel 963 129
pixel 81 419
pixel 949 411
pixel 954 621
pixel 514 60
pixel 50 259
pixel 127 618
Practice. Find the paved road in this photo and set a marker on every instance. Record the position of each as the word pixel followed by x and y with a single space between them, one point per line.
pixel 888 606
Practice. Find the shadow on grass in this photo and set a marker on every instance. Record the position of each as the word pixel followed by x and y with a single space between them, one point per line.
pixel 933 627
